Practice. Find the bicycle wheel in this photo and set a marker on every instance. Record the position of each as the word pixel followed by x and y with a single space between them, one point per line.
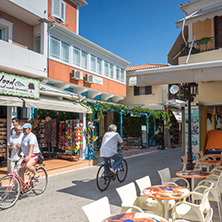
pixel 9 191
pixel 122 171
pixel 38 187
pixel 102 180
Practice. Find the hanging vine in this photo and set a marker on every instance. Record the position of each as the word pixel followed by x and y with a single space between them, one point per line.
pixel 99 108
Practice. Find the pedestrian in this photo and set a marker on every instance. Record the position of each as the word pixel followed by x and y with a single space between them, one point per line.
pixel 109 147
pixel 30 148
pixel 13 145
pixel 15 121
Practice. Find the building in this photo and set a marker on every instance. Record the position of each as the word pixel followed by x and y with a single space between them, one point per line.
pixel 40 41
pixel 196 58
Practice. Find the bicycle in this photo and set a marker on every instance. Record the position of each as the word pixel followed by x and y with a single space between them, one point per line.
pixel 105 175
pixel 12 185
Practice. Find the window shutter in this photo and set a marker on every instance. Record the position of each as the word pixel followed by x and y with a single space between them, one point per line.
pixel 56 8
pixel 148 90
pixel 63 11
pixel 136 91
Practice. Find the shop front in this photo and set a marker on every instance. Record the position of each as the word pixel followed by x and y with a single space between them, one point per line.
pixel 25 98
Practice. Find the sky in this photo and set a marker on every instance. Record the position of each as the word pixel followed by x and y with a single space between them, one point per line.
pixel 139 31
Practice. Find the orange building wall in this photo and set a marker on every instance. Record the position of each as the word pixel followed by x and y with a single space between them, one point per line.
pixel 61 72
pixel 22 32
pixel 70 17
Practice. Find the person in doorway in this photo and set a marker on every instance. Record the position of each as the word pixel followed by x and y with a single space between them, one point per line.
pixel 30 148
pixel 13 145
pixel 15 122
pixel 109 147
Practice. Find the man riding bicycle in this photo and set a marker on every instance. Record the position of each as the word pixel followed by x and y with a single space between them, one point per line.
pixel 30 148
pixel 109 147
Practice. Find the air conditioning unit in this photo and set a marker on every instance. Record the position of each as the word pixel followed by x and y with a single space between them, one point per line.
pixel 89 78
pixel 76 74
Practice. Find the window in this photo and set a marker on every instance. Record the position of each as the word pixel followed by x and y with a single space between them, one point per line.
pixel 93 63
pixel 58 10
pixel 143 90
pixel 84 60
pixel 99 66
pixel 122 75
pixel 55 47
pixel 106 68
pixel 111 71
pixel 65 52
pixel 117 73
pixel 76 56
pixel 1 33
pixel 37 43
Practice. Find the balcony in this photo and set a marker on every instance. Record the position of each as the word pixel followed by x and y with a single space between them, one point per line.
pixel 202 45
pixel 28 11
pixel 18 60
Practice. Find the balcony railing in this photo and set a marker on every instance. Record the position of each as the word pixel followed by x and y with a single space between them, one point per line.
pixel 202 45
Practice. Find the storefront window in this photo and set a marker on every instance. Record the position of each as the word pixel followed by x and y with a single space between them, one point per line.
pixel 54 47
pixel 76 56
pixel 65 52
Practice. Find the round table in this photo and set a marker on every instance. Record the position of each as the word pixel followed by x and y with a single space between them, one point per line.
pixel 213 155
pixel 208 163
pixel 166 193
pixel 193 174
pixel 134 217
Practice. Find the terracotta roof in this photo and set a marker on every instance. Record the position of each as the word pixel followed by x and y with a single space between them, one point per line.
pixel 145 66
pixel 186 3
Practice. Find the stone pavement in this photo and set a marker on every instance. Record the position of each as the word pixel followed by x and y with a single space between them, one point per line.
pixel 68 192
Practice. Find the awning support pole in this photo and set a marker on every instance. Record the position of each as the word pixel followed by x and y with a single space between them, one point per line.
pixel 121 126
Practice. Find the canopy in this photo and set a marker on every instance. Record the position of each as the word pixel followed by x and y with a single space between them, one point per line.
pixel 196 72
pixel 56 105
pixel 10 101
pixel 201 15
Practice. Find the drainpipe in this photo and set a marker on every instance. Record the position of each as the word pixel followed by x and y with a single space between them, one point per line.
pixel 121 126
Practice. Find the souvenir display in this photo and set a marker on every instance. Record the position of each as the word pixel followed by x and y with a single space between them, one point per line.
pixel 3 137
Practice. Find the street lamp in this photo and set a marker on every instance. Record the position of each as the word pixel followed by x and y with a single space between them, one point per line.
pixel 190 91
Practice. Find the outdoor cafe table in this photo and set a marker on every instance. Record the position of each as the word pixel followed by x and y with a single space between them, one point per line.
pixel 208 163
pixel 193 174
pixel 166 193
pixel 134 217
pixel 213 155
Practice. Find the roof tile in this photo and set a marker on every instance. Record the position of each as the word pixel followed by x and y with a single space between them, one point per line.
pixel 145 66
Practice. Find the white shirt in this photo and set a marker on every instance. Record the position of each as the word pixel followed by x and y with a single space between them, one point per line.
pixel 109 144
pixel 28 140
pixel 13 141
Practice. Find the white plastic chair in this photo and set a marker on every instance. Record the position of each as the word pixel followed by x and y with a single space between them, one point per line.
pixel 208 217
pixel 97 210
pixel 132 203
pixel 145 182
pixel 166 178
pixel 192 211
pixel 214 194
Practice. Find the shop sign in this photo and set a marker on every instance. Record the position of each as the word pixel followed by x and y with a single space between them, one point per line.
pixel 98 80
pixel 19 86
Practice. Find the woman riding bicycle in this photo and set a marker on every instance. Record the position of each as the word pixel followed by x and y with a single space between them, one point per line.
pixel 109 147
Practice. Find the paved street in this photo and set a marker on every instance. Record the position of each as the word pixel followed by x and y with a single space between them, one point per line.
pixel 68 192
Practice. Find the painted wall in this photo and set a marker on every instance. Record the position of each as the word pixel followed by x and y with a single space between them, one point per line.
pixel 22 32
pixel 213 55
pixel 61 72
pixel 158 96
pixel 70 15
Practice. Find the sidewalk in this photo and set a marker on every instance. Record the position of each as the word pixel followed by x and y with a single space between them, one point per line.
pixel 57 166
